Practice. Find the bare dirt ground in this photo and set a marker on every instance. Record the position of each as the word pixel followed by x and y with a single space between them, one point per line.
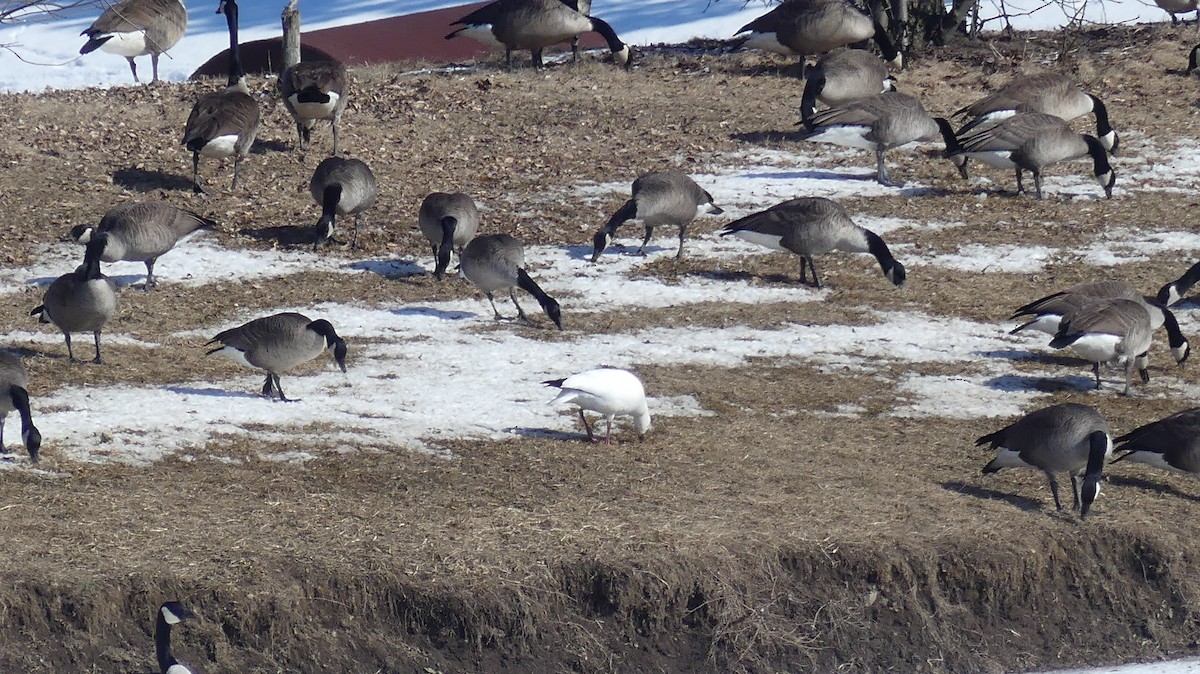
pixel 771 536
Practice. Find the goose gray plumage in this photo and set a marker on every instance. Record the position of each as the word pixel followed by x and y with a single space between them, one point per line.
pixel 81 301
pixel 801 27
pixel 314 91
pixel 224 123
pixel 1066 438
pixel 1047 93
pixel 535 25
pixel 1031 141
pixel 878 123
pixel 1045 314
pixel 277 344
pixel 1109 330
pixel 341 187
pixel 141 231
pixel 169 614
pixel 133 28
pixel 811 226
pixel 496 262
pixel 1174 7
pixel 1172 443
pixel 1175 290
pixel 14 396
pixel 842 76
pixel 659 198
pixel 448 220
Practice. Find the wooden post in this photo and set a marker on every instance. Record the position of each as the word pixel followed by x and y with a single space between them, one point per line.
pixel 291 35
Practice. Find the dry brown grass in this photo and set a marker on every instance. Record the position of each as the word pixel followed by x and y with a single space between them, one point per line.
pixel 771 536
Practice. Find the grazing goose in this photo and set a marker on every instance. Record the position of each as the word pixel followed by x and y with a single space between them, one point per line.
pixel 1066 438
pixel 535 25
pixel 1112 330
pixel 341 187
pixel 1172 292
pixel 842 76
pixel 223 123
pixel 14 396
pixel 137 27
pixel 314 91
pixel 880 123
pixel 1031 141
pixel 1171 444
pixel 659 198
pixel 170 613
pixel 801 27
pixel 448 220
pixel 141 231
pixel 497 261
pixel 1047 93
pixel 278 343
pixel 607 391
pixel 80 301
pixel 811 226
pixel 1046 314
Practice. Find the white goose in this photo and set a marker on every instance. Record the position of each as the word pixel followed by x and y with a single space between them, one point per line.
pixel 608 391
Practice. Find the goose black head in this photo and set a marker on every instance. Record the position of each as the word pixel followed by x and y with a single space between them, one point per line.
pixel 599 243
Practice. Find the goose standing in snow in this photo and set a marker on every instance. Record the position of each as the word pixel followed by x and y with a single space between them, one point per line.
pixel 313 91
pixel 659 198
pixel 135 28
pixel 535 25
pixel 224 123
pixel 14 396
pixel 811 226
pixel 169 614
pixel 1066 438
pixel 448 220
pixel 610 392
pixel 877 123
pixel 141 231
pixel 1111 330
pixel 80 301
pixel 278 343
pixel 497 262
pixel 341 187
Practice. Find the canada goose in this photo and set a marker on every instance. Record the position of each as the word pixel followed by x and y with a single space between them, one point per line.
pixel 1174 7
pixel 14 396
pixel 80 301
pixel 277 343
pixel 497 261
pixel 1066 438
pixel 535 25
pixel 843 76
pixel 878 123
pixel 448 221
pixel 1171 444
pixel 811 226
pixel 659 198
pixel 170 613
pixel 137 27
pixel 804 27
pixel 1112 330
pixel 223 123
pixel 1046 314
pixel 1047 93
pixel 608 391
pixel 1192 58
pixel 341 187
pixel 313 91
pixel 1031 141
pixel 141 231
pixel 1172 292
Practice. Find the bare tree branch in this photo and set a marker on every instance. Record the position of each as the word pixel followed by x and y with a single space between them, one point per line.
pixel 32 11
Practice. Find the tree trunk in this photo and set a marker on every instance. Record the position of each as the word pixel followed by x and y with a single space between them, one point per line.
pixel 929 23
pixel 291 35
